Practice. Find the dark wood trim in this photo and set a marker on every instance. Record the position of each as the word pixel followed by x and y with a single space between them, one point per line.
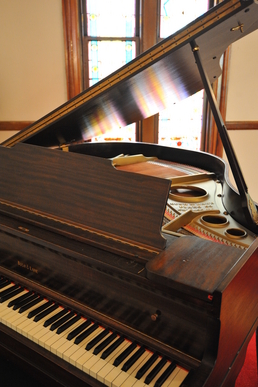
pixel 242 125
pixel 231 125
pixel 14 125
pixel 72 42
pixel 149 11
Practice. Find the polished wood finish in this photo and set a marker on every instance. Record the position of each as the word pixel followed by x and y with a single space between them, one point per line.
pixel 72 42
pixel 207 306
pixel 14 125
pixel 100 191
pixel 75 229
pixel 242 125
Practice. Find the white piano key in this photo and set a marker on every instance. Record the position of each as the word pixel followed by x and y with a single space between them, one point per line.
pixel 140 382
pixel 9 315
pixel 179 378
pixel 24 320
pixel 48 339
pixel 27 327
pixel 86 355
pixel 39 330
pixel 4 313
pixel 5 310
pixel 90 363
pixel 103 362
pixel 56 342
pixel 76 354
pixel 127 378
pixel 65 344
pixel 74 347
pixel 92 360
pixel 15 318
pixel 107 364
pixel 133 370
pixel 163 369
pixel 80 348
pixel 116 371
pixel 7 287
pixel 4 305
pixel 60 340
pixel 170 379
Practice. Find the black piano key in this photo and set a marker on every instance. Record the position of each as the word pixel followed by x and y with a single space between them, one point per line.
pixel 86 333
pixel 165 374
pixel 25 301
pixel 155 371
pixel 19 299
pixel 9 290
pixel 124 354
pixel 68 324
pixel 55 317
pixel 30 304
pixel 39 309
pixel 146 366
pixel 104 343
pixel 61 321
pixel 4 283
pixel 78 330
pixel 11 294
pixel 97 339
pixel 44 313
pixel 133 359
pixel 112 347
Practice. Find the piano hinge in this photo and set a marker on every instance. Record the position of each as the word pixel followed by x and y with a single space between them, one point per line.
pixel 239 27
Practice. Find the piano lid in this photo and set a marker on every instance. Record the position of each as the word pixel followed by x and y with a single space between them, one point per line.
pixel 163 75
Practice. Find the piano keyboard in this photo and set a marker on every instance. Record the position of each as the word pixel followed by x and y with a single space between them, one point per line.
pixel 105 355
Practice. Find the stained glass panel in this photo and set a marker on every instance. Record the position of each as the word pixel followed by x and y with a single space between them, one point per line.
pixel 180 125
pixel 176 14
pixel 106 56
pixel 112 18
pixel 116 21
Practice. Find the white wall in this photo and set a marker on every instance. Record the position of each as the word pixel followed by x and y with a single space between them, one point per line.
pixel 32 59
pixel 242 105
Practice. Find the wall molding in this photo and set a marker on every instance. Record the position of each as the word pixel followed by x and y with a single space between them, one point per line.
pixel 14 125
pixel 242 125
pixel 230 125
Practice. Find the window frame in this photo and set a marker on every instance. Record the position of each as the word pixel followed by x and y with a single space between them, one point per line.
pixel 87 38
pixel 146 130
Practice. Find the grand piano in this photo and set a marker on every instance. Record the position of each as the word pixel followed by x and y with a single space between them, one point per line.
pixel 130 264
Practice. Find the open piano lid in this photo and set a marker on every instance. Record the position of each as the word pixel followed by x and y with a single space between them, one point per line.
pixel 161 76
